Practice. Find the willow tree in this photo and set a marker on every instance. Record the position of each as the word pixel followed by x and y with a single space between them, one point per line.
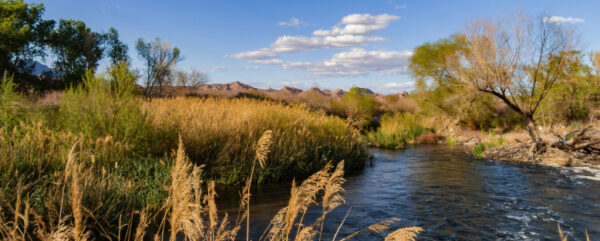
pixel 518 60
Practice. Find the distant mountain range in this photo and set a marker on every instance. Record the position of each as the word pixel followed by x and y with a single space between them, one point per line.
pixel 237 88
pixel 39 68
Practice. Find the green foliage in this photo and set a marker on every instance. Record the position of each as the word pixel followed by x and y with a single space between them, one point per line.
pixel 106 106
pixel 23 34
pixel 77 49
pixel 358 106
pixel 429 61
pixel 10 109
pixel 493 141
pixel 575 98
pixel 478 150
pixel 440 94
pixel 452 142
pixel 34 154
pixel 117 50
pixel 396 130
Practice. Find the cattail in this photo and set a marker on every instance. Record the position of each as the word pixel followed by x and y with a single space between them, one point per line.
pixel 263 147
pixel 307 233
pixel 140 231
pixel 405 234
pixel 70 159
pixel 333 193
pixel 562 236
pixel 300 198
pixel 212 206
pixel 333 189
pixel 374 228
pixel 62 232
pixel 76 204
pixel 184 201
pixel 382 226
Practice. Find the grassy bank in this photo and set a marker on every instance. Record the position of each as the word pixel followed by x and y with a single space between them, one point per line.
pixel 102 137
pixel 396 131
pixel 83 203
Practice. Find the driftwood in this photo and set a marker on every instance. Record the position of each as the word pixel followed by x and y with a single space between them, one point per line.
pixel 577 148
pixel 586 140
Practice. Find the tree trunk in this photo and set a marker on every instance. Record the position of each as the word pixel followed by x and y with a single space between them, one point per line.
pixel 540 145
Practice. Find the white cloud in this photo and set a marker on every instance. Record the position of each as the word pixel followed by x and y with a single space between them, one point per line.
pixel 359 24
pixel 299 43
pixel 219 68
pixel 253 67
pixel 266 61
pixel 293 22
pixel 561 20
pixel 400 7
pixel 356 62
pixel 264 53
pixel 399 85
pixel 349 33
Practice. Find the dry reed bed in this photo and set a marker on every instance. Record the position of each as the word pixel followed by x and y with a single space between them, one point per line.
pixel 188 213
pixel 223 131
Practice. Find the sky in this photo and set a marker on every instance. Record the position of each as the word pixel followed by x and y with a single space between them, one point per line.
pixel 304 44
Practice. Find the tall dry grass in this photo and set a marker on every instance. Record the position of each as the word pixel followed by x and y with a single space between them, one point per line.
pixel 188 213
pixel 224 132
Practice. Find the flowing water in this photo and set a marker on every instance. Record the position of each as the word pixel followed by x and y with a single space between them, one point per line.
pixel 453 196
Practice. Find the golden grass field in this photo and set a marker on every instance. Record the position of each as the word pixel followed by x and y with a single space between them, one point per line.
pixel 221 134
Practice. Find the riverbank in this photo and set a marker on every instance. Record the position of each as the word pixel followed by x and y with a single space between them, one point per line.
pixel 577 145
pixel 515 146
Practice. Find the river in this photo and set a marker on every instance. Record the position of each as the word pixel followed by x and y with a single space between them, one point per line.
pixel 452 195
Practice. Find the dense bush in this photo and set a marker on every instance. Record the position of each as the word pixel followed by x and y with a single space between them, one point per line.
pixel 358 107
pixel 396 130
pixel 11 109
pixel 106 106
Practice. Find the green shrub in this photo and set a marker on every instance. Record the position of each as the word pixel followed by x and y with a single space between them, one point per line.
pixel 396 130
pixel 358 107
pixel 493 141
pixel 10 109
pixel 106 106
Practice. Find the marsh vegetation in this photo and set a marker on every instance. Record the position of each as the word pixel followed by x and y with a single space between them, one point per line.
pixel 90 154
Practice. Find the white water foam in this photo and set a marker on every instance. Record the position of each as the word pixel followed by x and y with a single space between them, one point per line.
pixel 590 173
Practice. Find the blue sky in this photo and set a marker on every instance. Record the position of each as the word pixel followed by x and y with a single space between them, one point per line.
pixel 329 44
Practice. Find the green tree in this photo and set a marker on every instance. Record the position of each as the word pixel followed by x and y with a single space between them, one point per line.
pixel 358 106
pixel 566 101
pixel 439 92
pixel 429 63
pixel 23 35
pixel 117 50
pixel 160 60
pixel 77 49
pixel 594 81
pixel 437 88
